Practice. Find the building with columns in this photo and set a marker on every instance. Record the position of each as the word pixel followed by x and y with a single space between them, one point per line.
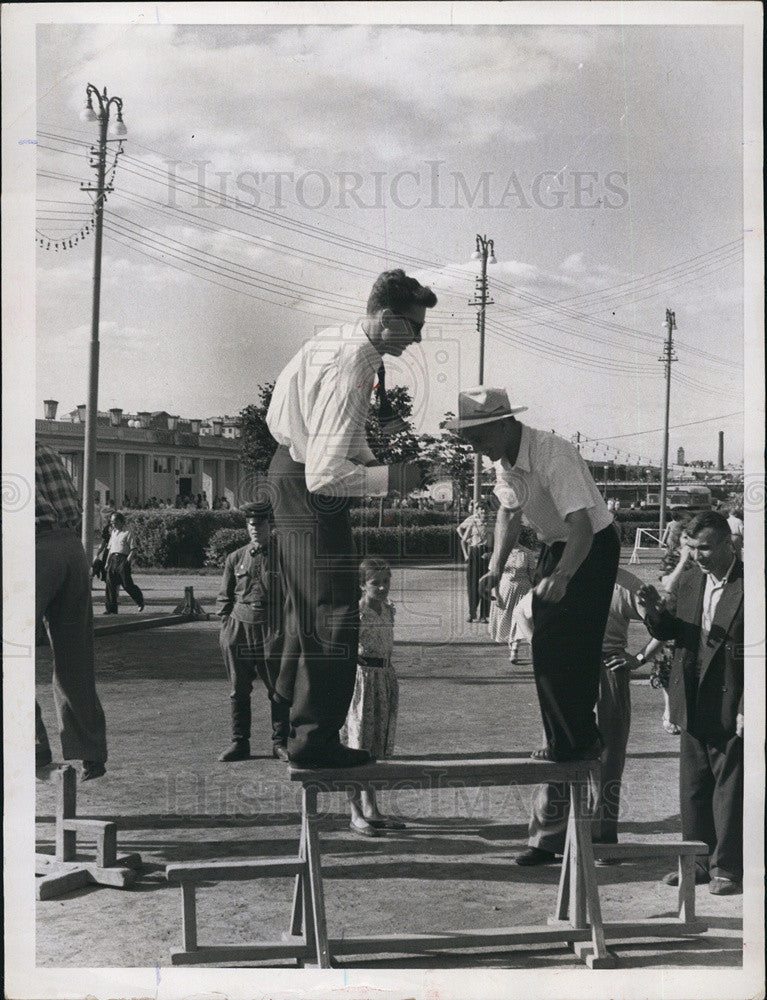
pixel 145 455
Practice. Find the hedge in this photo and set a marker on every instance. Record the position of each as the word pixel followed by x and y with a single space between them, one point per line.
pixel 400 517
pixel 192 539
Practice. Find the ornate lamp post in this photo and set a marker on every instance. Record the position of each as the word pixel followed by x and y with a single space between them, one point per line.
pixel 485 250
pixel 101 114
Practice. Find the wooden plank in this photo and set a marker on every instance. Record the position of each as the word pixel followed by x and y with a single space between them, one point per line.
pixel 219 953
pixel 314 865
pixel 600 957
pixel 232 871
pixel 56 884
pixel 626 851
pixel 188 917
pixel 86 826
pixel 66 808
pixel 456 940
pixel 447 772
pixel 300 901
pixel 652 928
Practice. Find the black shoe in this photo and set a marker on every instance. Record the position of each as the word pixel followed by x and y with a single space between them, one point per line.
pixel 535 856
pixel 332 757
pixel 721 886
pixel 701 877
pixel 43 757
pixel 93 769
pixel 239 750
pixel 280 752
pixel 141 606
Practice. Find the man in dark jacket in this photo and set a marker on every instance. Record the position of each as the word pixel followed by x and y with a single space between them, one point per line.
pixel 250 606
pixel 706 697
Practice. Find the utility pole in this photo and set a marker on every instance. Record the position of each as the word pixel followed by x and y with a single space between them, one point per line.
pixel 667 358
pixel 91 413
pixel 485 250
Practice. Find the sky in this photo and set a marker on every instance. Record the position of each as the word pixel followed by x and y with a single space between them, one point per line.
pixel 271 172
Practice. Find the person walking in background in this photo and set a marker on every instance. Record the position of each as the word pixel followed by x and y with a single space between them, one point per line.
pixel 249 604
pixel 706 698
pixel 516 581
pixel 63 603
pixel 120 550
pixel 476 537
pixel 543 477
pixel 317 417
pixel 372 718
pixel 735 521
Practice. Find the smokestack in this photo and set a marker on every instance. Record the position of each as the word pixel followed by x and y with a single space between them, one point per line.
pixel 720 462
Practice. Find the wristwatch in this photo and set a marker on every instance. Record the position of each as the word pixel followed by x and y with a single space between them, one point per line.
pixel 640 658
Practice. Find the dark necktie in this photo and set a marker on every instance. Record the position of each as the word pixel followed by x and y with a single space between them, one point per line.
pixel 388 420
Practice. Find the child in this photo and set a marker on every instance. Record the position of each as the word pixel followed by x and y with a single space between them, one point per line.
pixel 372 716
pixel 249 605
pixel 516 580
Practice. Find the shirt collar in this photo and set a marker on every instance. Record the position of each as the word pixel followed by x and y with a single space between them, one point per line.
pixel 523 456
pixel 367 354
pixel 715 582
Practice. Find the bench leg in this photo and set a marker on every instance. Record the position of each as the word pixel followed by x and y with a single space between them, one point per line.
pixel 587 906
pixel 66 808
pixel 687 887
pixel 315 877
pixel 563 894
pixel 188 916
pixel 106 846
pixel 297 912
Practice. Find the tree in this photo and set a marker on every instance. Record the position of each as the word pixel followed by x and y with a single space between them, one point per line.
pixel 404 446
pixel 455 456
pixel 257 444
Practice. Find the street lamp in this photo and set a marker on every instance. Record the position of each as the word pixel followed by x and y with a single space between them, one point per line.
pixel 485 252
pixel 115 129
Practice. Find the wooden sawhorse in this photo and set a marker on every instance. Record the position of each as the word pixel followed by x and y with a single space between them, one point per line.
pixel 63 871
pixel 577 918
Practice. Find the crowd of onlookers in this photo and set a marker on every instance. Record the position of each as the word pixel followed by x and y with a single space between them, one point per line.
pixel 182 502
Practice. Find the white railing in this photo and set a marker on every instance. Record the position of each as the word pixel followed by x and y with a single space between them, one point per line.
pixel 645 533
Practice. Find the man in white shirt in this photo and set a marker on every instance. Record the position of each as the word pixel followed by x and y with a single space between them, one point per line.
pixel 119 560
pixel 323 462
pixel 706 697
pixel 542 476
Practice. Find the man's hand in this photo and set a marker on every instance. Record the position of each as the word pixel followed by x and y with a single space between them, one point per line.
pixel 649 599
pixel 739 726
pixel 404 477
pixel 488 584
pixel 622 661
pixel 552 588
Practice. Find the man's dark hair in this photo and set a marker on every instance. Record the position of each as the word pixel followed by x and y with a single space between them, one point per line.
pixel 396 291
pixel 708 519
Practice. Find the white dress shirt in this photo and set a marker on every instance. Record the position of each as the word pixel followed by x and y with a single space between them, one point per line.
pixel 711 593
pixel 318 410
pixel 548 481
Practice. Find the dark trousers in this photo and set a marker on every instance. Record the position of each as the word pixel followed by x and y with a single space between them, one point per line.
pixel 119 572
pixel 249 651
pixel 551 806
pixel 567 644
pixel 319 567
pixel 711 801
pixel 476 566
pixel 63 599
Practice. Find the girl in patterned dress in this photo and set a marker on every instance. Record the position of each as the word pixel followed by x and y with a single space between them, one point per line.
pixel 516 581
pixel 372 717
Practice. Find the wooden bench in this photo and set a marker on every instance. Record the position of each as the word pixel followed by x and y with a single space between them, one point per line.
pixel 63 871
pixel 577 917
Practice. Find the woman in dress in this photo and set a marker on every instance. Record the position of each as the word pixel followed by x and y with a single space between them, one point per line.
pixel 516 580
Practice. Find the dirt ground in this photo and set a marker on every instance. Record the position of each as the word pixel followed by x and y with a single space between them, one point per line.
pixel 166 702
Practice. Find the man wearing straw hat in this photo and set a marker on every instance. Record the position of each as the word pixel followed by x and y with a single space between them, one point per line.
pixel 542 476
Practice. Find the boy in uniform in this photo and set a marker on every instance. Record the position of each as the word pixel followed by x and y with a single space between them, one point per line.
pixel 249 604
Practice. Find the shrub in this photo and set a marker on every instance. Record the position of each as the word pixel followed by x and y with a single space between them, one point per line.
pixel 177 537
pixel 400 517
pixel 438 541
pixel 222 543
